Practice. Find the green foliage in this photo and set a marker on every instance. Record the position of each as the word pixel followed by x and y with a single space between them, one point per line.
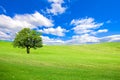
pixel 27 38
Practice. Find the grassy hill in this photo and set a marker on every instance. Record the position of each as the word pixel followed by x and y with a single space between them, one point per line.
pixel 65 62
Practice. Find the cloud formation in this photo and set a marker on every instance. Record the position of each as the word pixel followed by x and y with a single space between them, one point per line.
pixel 54 31
pixel 51 41
pixel 34 20
pixel 111 38
pixel 99 31
pixel 86 38
pixel 85 25
pixel 12 25
pixel 85 29
pixel 4 36
pixel 83 39
pixel 25 20
pixel 56 7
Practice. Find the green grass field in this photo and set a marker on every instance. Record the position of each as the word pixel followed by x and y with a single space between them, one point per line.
pixel 65 62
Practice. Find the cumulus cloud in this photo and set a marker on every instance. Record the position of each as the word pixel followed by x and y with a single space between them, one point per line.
pixel 85 25
pixel 34 20
pixel 103 30
pixel 99 31
pixel 86 38
pixel 111 38
pixel 56 1
pixel 50 41
pixel 54 31
pixel 4 36
pixel 12 25
pixel 26 20
pixel 85 30
pixel 56 7
pixel 83 39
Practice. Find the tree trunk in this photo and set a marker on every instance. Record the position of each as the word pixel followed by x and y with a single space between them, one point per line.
pixel 28 50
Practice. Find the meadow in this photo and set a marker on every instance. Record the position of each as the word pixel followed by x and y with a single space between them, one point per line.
pixel 61 62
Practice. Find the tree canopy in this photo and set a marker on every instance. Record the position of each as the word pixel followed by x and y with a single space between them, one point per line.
pixel 27 38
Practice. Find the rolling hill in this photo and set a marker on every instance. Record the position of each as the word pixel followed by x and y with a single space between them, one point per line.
pixel 64 62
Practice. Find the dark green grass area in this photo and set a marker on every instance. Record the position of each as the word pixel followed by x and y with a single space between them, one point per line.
pixel 65 62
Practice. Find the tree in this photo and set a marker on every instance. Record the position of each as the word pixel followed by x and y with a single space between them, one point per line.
pixel 27 38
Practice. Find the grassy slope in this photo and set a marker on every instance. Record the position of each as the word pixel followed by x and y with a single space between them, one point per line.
pixel 86 62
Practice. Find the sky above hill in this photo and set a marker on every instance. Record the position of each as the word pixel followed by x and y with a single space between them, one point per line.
pixel 62 21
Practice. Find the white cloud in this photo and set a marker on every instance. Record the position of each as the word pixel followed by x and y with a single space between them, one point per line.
pixel 86 30
pixel 83 39
pixel 26 20
pixel 103 30
pixel 111 38
pixel 35 19
pixel 56 1
pixel 85 25
pixel 56 7
pixel 10 23
pixel 54 31
pixel 4 36
pixel 14 24
pixel 99 31
pixel 86 38
pixel 50 41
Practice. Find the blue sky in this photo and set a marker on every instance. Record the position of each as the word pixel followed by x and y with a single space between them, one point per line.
pixel 62 21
